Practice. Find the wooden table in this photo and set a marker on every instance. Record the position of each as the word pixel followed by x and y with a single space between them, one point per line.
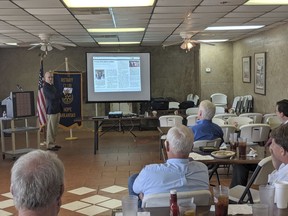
pixel 201 211
pixel 99 120
pixel 262 152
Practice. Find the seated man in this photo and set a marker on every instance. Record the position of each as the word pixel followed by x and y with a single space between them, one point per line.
pixel 205 129
pixel 177 173
pixel 37 183
pixel 241 171
pixel 279 153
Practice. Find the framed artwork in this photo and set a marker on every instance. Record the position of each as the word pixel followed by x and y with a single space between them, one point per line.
pixel 246 69
pixel 260 73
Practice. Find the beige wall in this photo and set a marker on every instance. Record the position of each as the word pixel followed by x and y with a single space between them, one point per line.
pixel 173 72
pixel 218 58
pixel 274 42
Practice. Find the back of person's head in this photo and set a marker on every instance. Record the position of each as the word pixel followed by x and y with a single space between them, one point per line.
pixel 280 135
pixel 180 139
pixel 282 106
pixel 208 109
pixel 37 180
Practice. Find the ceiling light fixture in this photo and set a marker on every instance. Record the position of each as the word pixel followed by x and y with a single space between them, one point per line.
pixel 113 43
pixel 107 3
pixel 116 30
pixel 223 28
pixel 266 2
pixel 187 45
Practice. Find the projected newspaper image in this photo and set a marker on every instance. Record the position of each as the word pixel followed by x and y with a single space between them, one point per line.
pixel 117 74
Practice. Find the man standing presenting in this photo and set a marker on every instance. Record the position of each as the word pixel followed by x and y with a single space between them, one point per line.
pixel 53 110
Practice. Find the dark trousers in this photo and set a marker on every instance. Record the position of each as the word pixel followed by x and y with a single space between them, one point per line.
pixel 240 174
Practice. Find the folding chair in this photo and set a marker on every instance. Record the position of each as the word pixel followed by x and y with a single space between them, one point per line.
pixel 191 120
pixel 244 194
pixel 214 143
pixel 167 121
pixel 257 117
pixel 255 133
pixel 201 198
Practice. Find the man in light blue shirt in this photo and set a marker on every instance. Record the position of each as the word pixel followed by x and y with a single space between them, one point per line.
pixel 177 173
pixel 205 129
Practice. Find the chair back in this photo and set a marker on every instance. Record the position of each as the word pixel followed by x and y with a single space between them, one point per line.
pixel 201 198
pixel 218 121
pixel 225 116
pixel 214 143
pixel 219 110
pixel 196 100
pixel 255 133
pixel 191 120
pixel 267 168
pixel 241 194
pixel 239 121
pixel 173 105
pixel 266 116
pixel 257 117
pixel 192 111
pixel 189 97
pixel 274 122
pixel 219 99
pixel 227 130
pixel 170 120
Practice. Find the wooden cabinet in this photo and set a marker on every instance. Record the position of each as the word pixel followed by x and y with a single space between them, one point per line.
pixel 18 125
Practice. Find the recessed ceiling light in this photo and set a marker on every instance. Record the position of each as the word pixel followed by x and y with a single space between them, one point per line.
pixel 106 43
pixel 107 3
pixel 117 30
pixel 213 41
pixel 220 28
pixel 266 2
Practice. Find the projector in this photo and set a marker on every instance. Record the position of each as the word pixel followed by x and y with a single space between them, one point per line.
pixel 116 114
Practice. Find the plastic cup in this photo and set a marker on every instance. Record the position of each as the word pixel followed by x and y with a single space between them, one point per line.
pixel 187 209
pixel 267 193
pixel 130 205
pixel 281 194
pixel 221 200
pixel 260 209
pixel 242 147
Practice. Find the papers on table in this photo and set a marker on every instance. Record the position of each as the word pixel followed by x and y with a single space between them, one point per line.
pixel 196 156
pixel 234 209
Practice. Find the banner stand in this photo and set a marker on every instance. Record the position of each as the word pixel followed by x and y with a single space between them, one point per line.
pixel 71 137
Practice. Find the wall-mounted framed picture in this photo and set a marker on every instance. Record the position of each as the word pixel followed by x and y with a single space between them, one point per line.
pixel 246 69
pixel 260 73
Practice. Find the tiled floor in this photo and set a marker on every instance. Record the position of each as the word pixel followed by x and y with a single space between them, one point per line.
pixel 94 184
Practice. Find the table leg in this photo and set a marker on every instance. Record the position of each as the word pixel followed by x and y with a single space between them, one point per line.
pixel 96 128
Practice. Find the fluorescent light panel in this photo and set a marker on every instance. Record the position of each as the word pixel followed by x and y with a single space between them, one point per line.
pixel 267 2
pixel 117 30
pixel 107 3
pixel 220 28
pixel 107 43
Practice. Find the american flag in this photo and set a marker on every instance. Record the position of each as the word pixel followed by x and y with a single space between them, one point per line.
pixel 41 105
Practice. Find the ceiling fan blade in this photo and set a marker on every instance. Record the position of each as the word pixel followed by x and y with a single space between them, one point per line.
pixel 64 44
pixel 57 46
pixel 34 46
pixel 171 44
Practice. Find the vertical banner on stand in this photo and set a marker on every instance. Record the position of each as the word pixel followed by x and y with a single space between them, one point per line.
pixel 72 102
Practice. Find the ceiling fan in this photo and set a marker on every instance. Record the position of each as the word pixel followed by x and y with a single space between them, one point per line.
pixel 186 43
pixel 46 44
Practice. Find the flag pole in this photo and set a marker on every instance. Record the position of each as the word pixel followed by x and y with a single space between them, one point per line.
pixel 71 131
